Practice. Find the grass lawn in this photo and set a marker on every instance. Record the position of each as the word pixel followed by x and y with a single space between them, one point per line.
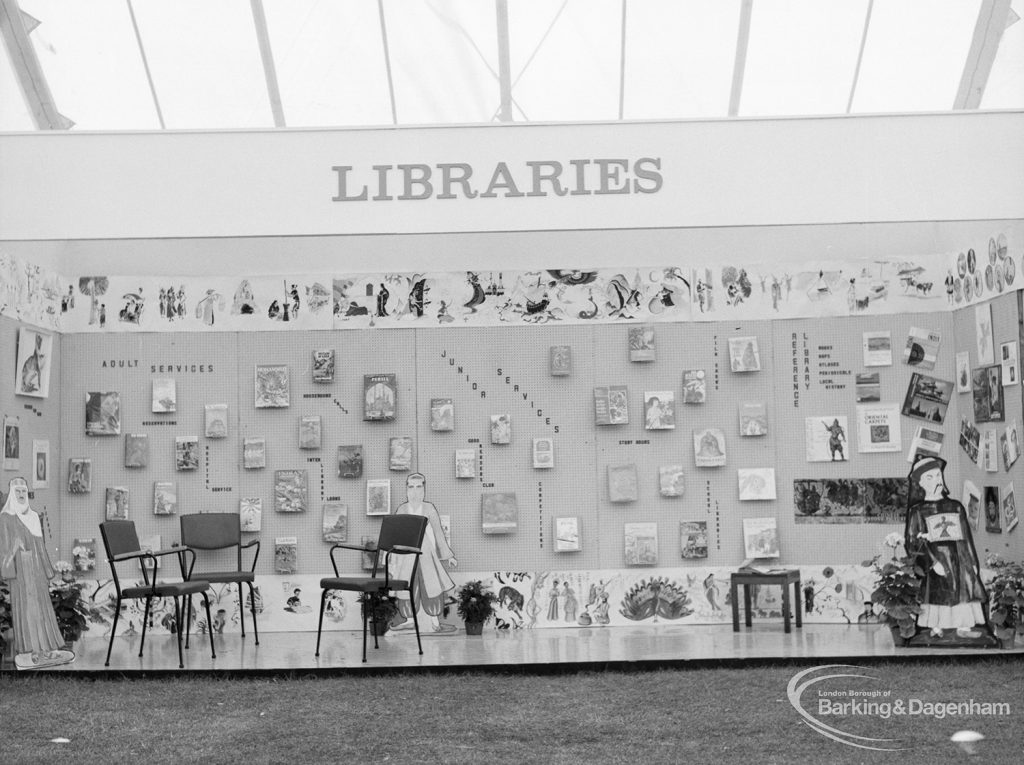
pixel 738 715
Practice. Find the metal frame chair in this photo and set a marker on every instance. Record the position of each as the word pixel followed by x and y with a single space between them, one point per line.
pixel 399 535
pixel 220 531
pixel 121 542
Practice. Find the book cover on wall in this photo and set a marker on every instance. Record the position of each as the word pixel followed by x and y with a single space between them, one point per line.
pixel 753 419
pixel 877 348
pixel 1010 519
pixel 623 485
pixel 40 464
pixel 927 398
pixel 990 499
pixel 659 410
pixel 927 442
pixel 442 414
pixel 756 483
pixel 760 538
pixel 709 447
pixel 335 525
pixel 671 481
pixel 868 387
pixel 560 360
pixel 963 372
pixel 273 386
pixel 465 463
pixel 501 429
pixel 1011 449
pixel 79 475
pixel 83 555
pixel 567 534
pixel 34 360
pixel 378 496
pixel 989 404
pixel 250 513
pixel 922 348
pixel 878 428
pixel 693 539
pixel 499 512
pixel 103 413
pixel 380 397
pixel 543 453
pixel 984 339
pixel 611 405
pixel 989 451
pixel 150 543
pixel 117 503
pixel 744 354
pixel 136 450
pixel 825 438
pixel 972 504
pixel 369 554
pixel 12 443
pixel 216 420
pixel 1008 360
pixel 310 431
pixel 165 498
pixel 694 386
pixel 350 461
pixel 165 395
pixel 286 555
pixel 291 489
pixel 970 439
pixel 641 544
pixel 323 366
pixel 641 343
pixel 400 453
pixel 186 453
pixel 254 453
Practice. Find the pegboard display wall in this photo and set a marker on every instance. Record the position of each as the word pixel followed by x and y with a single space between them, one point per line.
pixel 38 420
pixel 807 370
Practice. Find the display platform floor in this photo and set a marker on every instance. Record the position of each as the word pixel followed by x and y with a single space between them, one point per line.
pixel 544 650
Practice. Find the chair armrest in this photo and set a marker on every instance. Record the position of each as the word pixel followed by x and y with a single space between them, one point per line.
pixel 256 555
pixel 130 555
pixel 342 546
pixel 406 550
pixel 172 551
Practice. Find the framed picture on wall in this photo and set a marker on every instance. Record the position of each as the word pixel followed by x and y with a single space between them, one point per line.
pixel 40 464
pixel 35 357
pixel 378 497
pixel 12 443
pixel 103 413
pixel 79 475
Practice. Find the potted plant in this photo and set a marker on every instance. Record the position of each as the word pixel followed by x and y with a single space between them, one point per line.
pixel 66 599
pixel 475 604
pixel 6 624
pixel 380 609
pixel 1006 599
pixel 898 589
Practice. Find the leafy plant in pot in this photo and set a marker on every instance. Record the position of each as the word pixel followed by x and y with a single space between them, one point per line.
pixel 1006 599
pixel 898 588
pixel 475 605
pixel 380 609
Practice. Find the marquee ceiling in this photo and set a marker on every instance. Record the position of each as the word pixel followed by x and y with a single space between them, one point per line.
pixel 197 64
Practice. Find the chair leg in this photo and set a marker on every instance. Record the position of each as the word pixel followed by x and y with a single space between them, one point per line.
pixel 415 621
pixel 252 602
pixel 188 618
pixel 241 609
pixel 209 624
pixel 177 621
pixel 145 622
pixel 113 631
pixel 364 636
pixel 320 624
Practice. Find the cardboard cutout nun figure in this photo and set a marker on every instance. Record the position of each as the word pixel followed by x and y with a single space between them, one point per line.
pixel 26 567
pixel 938 536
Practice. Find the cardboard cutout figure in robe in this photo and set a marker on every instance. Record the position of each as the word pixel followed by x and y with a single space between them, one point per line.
pixel 25 566
pixel 954 603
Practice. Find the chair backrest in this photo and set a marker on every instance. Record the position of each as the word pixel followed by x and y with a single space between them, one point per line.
pixel 405 530
pixel 211 531
pixel 120 537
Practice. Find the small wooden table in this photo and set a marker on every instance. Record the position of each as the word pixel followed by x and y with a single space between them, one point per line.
pixel 782 578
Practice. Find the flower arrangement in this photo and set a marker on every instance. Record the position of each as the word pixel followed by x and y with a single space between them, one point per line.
pixel 475 603
pixel 898 587
pixel 66 599
pixel 1006 597
pixel 379 608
